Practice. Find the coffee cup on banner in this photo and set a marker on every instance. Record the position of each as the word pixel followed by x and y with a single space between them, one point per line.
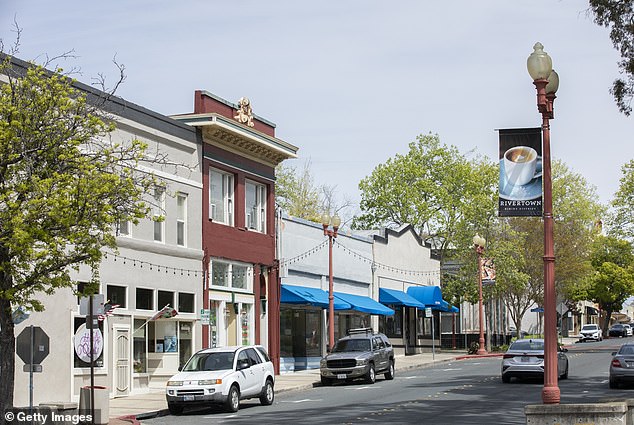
pixel 520 163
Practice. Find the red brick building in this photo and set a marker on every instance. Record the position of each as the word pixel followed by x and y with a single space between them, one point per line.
pixel 239 222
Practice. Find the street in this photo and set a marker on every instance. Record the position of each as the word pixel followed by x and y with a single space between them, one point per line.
pixel 457 392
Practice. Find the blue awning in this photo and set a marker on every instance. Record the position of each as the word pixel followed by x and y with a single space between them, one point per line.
pixel 292 294
pixel 445 306
pixel 395 297
pixel 431 297
pixel 364 304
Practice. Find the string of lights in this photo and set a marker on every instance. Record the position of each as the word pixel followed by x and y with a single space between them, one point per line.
pixel 151 266
pixel 356 255
pixel 303 255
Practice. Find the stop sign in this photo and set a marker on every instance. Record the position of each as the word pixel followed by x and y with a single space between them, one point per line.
pixel 40 345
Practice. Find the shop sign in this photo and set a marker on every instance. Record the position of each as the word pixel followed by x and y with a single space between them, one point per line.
pixel 205 315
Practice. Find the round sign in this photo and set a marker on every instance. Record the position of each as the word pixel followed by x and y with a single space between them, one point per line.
pixel 82 343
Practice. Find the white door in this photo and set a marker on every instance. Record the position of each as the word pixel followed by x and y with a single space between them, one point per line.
pixel 121 361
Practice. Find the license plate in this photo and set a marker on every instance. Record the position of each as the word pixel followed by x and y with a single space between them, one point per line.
pixel 188 398
pixel 341 376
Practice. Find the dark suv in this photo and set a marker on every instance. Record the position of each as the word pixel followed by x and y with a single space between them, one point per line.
pixel 361 354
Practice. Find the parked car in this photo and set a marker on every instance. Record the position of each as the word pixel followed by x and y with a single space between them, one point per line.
pixel 513 333
pixel 617 330
pixel 622 365
pixel 525 359
pixel 628 328
pixel 223 375
pixel 360 354
pixel 590 331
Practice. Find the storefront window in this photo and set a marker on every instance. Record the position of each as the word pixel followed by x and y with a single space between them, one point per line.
pixel 313 333
pixel 286 334
pixel 185 342
pixel 300 333
pixel 140 346
pixel 162 337
pixel 392 325
pixel 244 322
pixel 230 275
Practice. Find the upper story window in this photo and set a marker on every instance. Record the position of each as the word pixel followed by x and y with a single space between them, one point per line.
pixel 221 197
pixel 181 219
pixel 158 208
pixel 123 228
pixel 255 202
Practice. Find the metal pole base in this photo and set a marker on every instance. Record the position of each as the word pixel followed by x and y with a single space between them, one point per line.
pixel 551 395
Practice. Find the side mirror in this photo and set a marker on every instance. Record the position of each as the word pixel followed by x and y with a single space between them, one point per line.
pixel 180 368
pixel 614 353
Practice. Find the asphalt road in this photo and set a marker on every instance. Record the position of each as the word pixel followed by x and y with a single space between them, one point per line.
pixel 460 392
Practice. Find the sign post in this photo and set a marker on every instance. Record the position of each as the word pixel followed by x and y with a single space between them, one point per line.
pixel 32 346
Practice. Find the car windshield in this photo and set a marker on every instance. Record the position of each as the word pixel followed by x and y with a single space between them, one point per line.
pixel 617 326
pixel 627 349
pixel 527 345
pixel 589 328
pixel 345 345
pixel 209 361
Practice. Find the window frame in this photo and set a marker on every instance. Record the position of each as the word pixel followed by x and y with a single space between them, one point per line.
pixel 227 184
pixel 181 219
pixel 152 298
pixel 158 209
pixel 257 223
pixel 126 300
pixel 229 279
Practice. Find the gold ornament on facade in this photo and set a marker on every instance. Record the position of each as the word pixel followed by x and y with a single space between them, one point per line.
pixel 244 112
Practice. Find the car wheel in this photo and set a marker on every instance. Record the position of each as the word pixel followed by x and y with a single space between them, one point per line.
pixel 614 384
pixel 233 399
pixel 390 371
pixel 268 394
pixel 326 382
pixel 370 377
pixel 175 409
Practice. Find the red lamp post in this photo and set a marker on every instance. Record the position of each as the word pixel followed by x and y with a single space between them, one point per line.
pixel 479 243
pixel 546 81
pixel 326 221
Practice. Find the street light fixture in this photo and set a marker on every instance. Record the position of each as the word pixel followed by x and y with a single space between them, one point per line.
pixel 326 221
pixel 546 82
pixel 479 243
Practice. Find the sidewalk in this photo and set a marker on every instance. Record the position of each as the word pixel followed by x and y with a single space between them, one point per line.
pixel 124 410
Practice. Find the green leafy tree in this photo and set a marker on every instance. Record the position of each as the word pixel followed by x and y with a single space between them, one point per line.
pixel 299 196
pixel 63 186
pixel 296 192
pixel 621 222
pixel 433 187
pixel 618 16
pixel 613 280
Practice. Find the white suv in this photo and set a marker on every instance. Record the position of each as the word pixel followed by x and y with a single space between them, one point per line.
pixel 223 375
pixel 590 332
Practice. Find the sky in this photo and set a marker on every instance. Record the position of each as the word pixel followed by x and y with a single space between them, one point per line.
pixel 352 82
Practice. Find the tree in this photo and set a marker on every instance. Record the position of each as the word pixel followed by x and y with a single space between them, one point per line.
pixel 618 16
pixel 63 186
pixel 298 195
pixel 621 222
pixel 613 280
pixel 434 188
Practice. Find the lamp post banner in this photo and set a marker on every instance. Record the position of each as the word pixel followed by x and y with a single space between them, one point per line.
pixel 520 160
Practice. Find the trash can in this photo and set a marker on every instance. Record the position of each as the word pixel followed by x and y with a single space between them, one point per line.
pixel 102 403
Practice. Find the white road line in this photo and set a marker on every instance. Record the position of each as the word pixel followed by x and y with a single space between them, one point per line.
pixel 447 370
pixel 365 388
pixel 300 401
